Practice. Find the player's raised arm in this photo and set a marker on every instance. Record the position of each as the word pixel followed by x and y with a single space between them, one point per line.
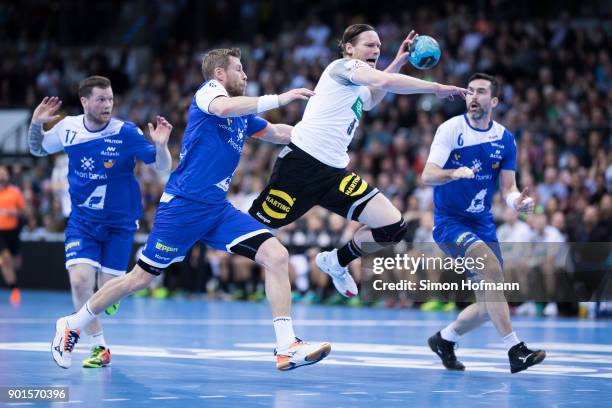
pixel 160 135
pixel 404 84
pixel 396 65
pixel 228 107
pixel 45 112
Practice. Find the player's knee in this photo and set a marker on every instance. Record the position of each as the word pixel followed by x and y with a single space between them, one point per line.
pixel 81 283
pixel 390 234
pixel 273 255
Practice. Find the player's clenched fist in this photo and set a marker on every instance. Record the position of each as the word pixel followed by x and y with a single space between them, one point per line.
pixel 462 173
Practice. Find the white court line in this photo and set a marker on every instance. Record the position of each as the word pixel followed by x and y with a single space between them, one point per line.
pixel 164 398
pixel 354 393
pixel 306 394
pixel 14 404
pixel 400 392
pixel 587 390
pixel 426 361
pixel 321 323
pixel 257 395
pixel 539 390
pixel 115 399
pixel 447 391
pixel 211 396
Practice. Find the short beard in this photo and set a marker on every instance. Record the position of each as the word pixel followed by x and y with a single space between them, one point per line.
pixel 478 114
pixel 235 90
pixel 91 118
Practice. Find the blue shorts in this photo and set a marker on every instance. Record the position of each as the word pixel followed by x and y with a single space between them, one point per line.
pixel 180 223
pixel 454 236
pixel 105 247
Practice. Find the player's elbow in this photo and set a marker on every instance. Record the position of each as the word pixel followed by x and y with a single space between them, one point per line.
pixel 382 81
pixel 221 110
pixel 428 178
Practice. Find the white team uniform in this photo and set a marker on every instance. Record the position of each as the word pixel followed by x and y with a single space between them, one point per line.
pixel 333 114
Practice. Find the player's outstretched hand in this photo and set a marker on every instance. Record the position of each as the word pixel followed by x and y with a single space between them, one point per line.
pixel 449 91
pixel 45 112
pixel 161 132
pixel 523 203
pixel 294 94
pixel 404 49
pixel 462 173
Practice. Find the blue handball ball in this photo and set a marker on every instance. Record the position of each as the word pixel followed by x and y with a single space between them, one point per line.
pixel 424 53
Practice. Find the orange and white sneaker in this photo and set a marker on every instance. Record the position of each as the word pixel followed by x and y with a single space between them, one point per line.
pixel 63 343
pixel 15 297
pixel 300 354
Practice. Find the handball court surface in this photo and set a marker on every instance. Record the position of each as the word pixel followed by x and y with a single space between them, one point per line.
pixel 183 353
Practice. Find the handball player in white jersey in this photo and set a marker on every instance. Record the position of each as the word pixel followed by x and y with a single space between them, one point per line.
pixel 311 170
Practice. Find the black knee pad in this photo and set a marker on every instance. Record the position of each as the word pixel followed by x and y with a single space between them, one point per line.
pixel 393 233
pixel 153 270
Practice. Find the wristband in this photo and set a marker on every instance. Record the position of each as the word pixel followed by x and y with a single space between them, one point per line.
pixel 512 198
pixel 267 102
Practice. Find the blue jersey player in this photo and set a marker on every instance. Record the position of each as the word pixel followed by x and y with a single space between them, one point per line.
pixel 105 196
pixel 469 156
pixel 194 207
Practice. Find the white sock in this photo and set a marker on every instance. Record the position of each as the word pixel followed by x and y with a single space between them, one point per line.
pixel 449 334
pixel 283 327
pixel 97 339
pixel 81 318
pixel 511 340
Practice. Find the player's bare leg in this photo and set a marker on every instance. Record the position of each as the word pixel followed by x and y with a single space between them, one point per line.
pixel 291 352
pixel 383 224
pixel 82 282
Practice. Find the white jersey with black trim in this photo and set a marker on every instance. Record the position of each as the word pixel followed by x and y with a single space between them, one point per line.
pixel 332 114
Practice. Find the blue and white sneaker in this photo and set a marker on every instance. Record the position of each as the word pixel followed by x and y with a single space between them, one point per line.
pixel 63 343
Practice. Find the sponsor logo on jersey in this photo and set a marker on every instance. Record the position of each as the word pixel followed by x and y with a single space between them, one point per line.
pixel 87 163
pixel 225 183
pixel 357 108
pixel 477 165
pixel 113 141
pixel 109 163
pixel 498 145
pixel 496 155
pixel 495 165
pixel 161 246
pixel 72 244
pixel 352 185
pixel 90 175
pixel 277 204
pixel 461 237
pixel 477 204
pixel 111 151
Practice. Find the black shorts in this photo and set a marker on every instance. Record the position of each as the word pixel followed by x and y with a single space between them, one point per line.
pixel 299 182
pixel 9 239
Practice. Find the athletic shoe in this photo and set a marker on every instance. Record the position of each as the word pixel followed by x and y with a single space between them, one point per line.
pixel 522 358
pixel 432 306
pixel 342 279
pixel 446 351
pixel 112 309
pixel 100 357
pixel 300 354
pixel 15 297
pixel 63 343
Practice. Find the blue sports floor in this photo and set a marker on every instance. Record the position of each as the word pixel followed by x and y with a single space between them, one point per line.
pixel 185 353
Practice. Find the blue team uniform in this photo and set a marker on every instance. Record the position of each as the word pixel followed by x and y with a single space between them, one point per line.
pixel 462 213
pixel 194 206
pixel 104 194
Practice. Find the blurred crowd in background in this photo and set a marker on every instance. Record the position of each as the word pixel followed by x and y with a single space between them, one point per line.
pixel 554 68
